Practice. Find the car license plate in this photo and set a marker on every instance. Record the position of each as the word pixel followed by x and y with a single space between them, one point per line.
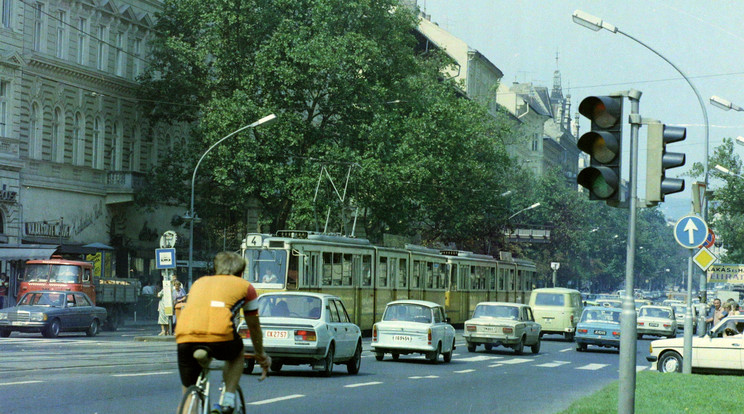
pixel 600 332
pixel 488 328
pixel 276 334
pixel 402 338
pixel 653 324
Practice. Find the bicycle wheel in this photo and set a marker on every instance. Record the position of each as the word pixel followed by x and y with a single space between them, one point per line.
pixel 239 401
pixel 192 401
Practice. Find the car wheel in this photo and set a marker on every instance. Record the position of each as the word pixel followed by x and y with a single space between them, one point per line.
pixel 433 356
pixel 536 348
pixel 248 365
pixel 448 355
pixel 569 336
pixel 4 334
pixel 328 369
pixel 471 347
pixel 353 365
pixel 93 328
pixel 488 347
pixel 580 347
pixel 379 356
pixel 395 356
pixel 519 347
pixel 52 330
pixel 670 362
pixel 276 366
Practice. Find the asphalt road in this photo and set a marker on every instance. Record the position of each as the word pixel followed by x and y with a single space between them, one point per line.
pixel 113 373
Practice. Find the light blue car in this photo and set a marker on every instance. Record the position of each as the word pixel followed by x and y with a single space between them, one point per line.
pixel 599 326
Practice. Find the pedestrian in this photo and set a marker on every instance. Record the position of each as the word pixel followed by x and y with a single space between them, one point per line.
pixel 207 322
pixel 715 314
pixel 179 296
pixel 163 319
pixel 3 289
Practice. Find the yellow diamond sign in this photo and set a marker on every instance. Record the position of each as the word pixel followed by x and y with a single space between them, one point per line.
pixel 704 258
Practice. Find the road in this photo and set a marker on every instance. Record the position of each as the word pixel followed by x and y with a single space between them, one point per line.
pixel 113 373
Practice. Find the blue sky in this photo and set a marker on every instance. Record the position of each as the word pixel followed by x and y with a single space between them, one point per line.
pixel 703 38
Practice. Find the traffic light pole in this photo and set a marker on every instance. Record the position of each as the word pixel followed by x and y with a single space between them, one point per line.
pixel 628 342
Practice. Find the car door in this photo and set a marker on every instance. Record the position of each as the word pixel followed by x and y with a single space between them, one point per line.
pixel 350 331
pixel 532 330
pixel 336 328
pixel 718 353
pixel 69 315
pixel 84 309
pixel 445 331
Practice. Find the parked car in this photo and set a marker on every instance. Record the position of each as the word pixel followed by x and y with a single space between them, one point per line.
pixel 557 310
pixel 51 312
pixel 718 351
pixel 305 328
pixel 502 324
pixel 599 326
pixel 413 326
pixel 679 313
pixel 656 320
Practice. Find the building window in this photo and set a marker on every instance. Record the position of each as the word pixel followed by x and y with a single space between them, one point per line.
pixel 61 33
pixel 38 25
pixel 58 133
pixel 136 51
pixel 117 148
pixel 34 133
pixel 100 57
pixel 82 45
pixel 97 139
pixel 78 145
pixel 7 12
pixel 119 59
pixel 536 143
pixel 4 116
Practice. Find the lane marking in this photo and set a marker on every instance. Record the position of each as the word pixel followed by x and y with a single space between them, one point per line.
pixel 464 371
pixel 424 377
pixel 640 368
pixel 363 384
pixel 495 365
pixel 143 374
pixel 593 367
pixel 566 350
pixel 479 358
pixel 19 382
pixel 516 361
pixel 553 364
pixel 277 399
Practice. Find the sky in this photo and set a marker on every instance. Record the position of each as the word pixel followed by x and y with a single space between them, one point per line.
pixel 702 38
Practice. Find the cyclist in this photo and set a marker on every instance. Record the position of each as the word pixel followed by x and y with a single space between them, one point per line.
pixel 206 322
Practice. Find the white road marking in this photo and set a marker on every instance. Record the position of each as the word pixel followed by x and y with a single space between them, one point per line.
pixel 19 382
pixel 516 361
pixel 464 371
pixel 566 350
pixel 495 365
pixel 277 399
pixel 142 374
pixel 553 364
pixel 479 358
pixel 640 368
pixel 362 384
pixel 593 367
pixel 424 377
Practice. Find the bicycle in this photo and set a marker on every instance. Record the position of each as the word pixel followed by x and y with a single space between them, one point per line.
pixel 196 399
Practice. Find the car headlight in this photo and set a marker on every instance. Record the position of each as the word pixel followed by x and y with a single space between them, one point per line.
pixel 38 317
pixel 3 316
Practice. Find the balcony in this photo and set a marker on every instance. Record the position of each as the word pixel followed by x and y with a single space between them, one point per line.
pixel 121 185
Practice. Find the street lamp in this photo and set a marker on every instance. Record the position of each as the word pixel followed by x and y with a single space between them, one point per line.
pixel 727 171
pixel 191 214
pixel 724 104
pixel 525 209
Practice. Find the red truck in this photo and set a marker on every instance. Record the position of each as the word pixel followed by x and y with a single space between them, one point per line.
pixel 117 295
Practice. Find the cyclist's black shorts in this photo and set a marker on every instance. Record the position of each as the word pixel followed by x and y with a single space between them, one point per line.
pixel 189 368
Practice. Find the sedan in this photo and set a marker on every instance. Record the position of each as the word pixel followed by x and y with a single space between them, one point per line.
pixel 305 328
pixel 679 313
pixel 413 326
pixel 656 320
pixel 52 312
pixel 599 326
pixel 502 324
pixel 719 350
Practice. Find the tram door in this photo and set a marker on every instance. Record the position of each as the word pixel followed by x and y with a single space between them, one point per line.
pixel 401 281
pixel 452 302
pixel 365 293
pixel 464 284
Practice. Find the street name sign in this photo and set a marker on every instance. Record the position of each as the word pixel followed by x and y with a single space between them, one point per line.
pixel 690 231
pixel 726 273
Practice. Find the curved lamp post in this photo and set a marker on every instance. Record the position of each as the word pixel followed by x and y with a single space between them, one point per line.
pixel 525 209
pixel 191 214
pixel 724 104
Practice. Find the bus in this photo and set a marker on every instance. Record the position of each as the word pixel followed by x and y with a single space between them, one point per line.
pixel 366 277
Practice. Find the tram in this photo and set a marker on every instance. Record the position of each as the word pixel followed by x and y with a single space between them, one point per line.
pixel 366 277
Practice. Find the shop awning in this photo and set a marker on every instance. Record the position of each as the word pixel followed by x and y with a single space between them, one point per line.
pixel 27 252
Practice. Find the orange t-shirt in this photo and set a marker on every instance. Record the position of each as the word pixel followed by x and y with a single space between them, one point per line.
pixel 212 303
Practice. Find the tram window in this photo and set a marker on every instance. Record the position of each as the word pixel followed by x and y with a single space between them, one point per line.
pixel 482 277
pixel 492 278
pixel 339 269
pixel 511 280
pixel 327 269
pixel 403 273
pixel 366 270
pixel 382 269
pixel 518 284
pixel 393 272
pixel 292 272
pixel 453 277
pixel 501 279
pixel 441 275
pixel 311 271
pixel 463 277
pixel 430 275
pixel 473 278
pixel 416 277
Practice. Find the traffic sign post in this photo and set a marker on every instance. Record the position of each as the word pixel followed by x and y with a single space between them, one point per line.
pixel 690 231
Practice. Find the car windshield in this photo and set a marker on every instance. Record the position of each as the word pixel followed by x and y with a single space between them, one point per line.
pixel 600 315
pixel 655 313
pixel 289 306
pixel 43 299
pixel 496 311
pixel 407 312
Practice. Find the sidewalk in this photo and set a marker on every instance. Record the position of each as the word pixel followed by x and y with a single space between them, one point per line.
pixel 155 329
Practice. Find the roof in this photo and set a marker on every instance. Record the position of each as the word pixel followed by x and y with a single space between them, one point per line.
pixel 313 294
pixel 501 303
pixel 555 290
pixel 415 302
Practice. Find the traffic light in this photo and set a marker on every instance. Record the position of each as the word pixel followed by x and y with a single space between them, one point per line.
pixel 658 160
pixel 603 144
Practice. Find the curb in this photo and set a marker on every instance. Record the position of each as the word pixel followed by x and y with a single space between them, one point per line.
pixel 155 338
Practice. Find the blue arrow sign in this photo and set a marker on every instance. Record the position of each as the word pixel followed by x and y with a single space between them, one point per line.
pixel 690 231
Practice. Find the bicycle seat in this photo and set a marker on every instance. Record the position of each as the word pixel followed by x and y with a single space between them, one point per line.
pixel 202 357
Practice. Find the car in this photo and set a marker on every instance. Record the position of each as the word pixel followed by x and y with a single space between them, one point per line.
pixel 656 320
pixel 305 328
pixel 51 312
pixel 598 326
pixel 511 325
pixel 413 326
pixel 556 310
pixel 679 313
pixel 610 303
pixel 670 302
pixel 718 351
pixel 639 303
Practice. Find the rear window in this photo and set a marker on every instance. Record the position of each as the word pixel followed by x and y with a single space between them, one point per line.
pixel 289 306
pixel 407 312
pixel 550 299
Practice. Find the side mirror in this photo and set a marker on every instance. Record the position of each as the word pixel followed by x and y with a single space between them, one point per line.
pixel 711 333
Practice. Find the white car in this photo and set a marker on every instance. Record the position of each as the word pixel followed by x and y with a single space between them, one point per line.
pixel 306 328
pixel 413 326
pixel 657 321
pixel 502 324
pixel 719 350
